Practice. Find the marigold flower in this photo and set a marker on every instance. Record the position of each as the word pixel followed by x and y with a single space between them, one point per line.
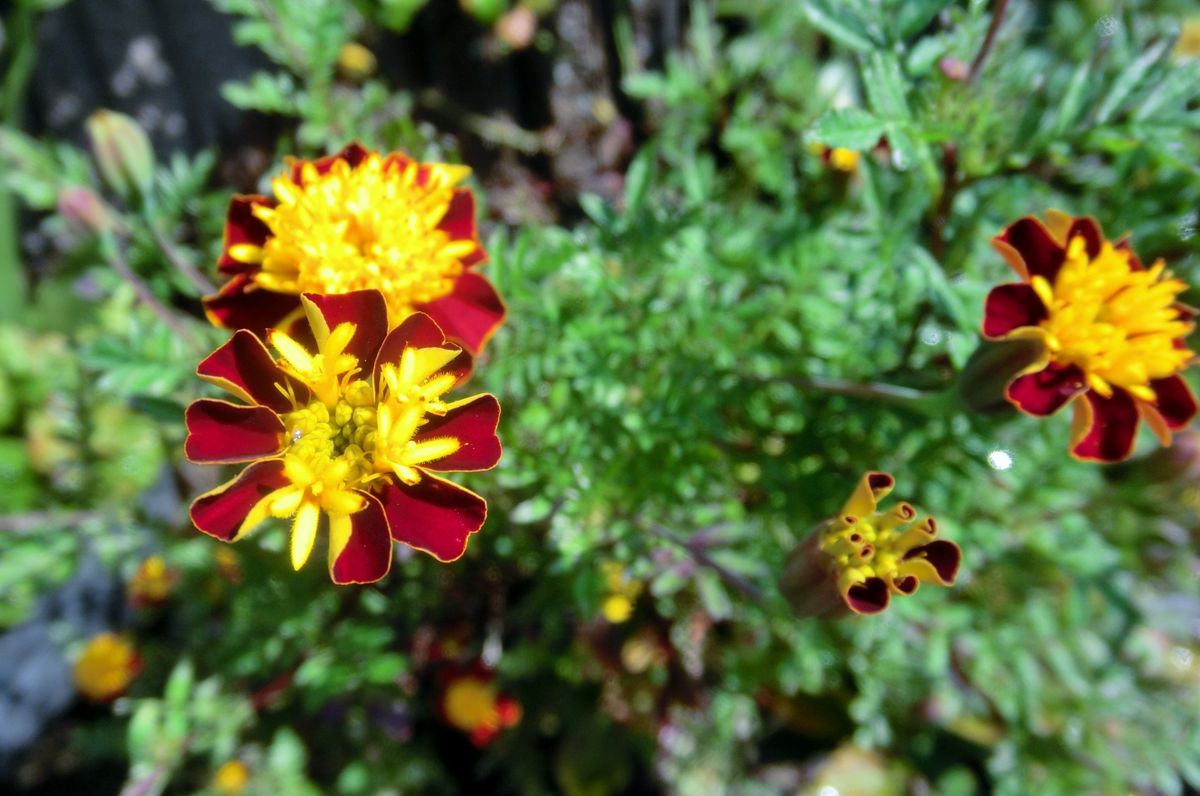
pixel 860 558
pixel 1112 334
pixel 107 666
pixel 152 582
pixel 353 221
pixel 231 778
pixel 472 703
pixel 838 158
pixel 353 426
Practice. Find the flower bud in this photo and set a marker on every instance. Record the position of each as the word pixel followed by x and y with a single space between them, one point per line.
pixel 856 561
pixel 123 153
pixel 356 62
pixel 83 209
pixel 108 665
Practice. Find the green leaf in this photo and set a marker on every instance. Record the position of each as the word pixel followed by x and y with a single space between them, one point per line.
pixel 914 15
pixel 1129 80
pixel 638 179
pixel 850 128
pixel 837 20
pixel 1072 101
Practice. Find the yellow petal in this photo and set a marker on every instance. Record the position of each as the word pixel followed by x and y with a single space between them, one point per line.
pixel 304 533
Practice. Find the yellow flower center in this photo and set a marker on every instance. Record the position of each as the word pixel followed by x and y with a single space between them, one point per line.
pixel 351 434
pixel 370 226
pixel 1118 325
pixel 470 704
pixel 874 547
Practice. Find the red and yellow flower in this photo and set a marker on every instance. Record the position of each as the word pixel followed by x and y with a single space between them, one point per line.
pixel 472 703
pixel 107 666
pixel 152 582
pixel 352 426
pixel 352 221
pixel 861 557
pixel 1112 332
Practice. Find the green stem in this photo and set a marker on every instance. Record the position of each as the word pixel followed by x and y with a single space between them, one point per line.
pixel 930 404
pixel 111 249
pixel 167 246
pixel 20 32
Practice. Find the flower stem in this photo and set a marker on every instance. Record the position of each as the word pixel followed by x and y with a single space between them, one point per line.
pixel 167 246
pixel 988 41
pixel 113 255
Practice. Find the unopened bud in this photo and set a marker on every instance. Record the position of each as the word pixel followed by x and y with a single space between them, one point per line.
pixel 954 69
pixel 83 209
pixel 123 153
pixel 356 62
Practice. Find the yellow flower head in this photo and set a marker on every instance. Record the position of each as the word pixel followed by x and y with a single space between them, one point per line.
pixel 108 665
pixel 231 778
pixel 152 583
pixel 622 590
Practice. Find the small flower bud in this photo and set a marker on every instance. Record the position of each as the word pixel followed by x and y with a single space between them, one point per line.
pixel 123 153
pixel 954 69
pixel 83 209
pixel 355 62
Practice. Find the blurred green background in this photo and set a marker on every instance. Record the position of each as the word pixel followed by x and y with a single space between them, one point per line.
pixel 714 329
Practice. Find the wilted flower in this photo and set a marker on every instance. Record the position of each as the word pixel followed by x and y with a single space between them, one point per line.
pixel 860 558
pixel 152 582
pixel 358 220
pixel 106 668
pixel 471 702
pixel 1112 334
pixel 353 427
pixel 122 151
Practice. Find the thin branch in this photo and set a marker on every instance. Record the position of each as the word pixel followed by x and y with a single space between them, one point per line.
pixel 30 521
pixel 167 246
pixel 494 131
pixel 988 41
pixel 884 392
pixel 112 253
pixel 701 557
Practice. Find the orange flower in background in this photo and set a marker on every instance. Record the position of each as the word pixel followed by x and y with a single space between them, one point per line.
pixel 231 778
pixel 859 559
pixel 471 702
pixel 106 668
pixel 353 427
pixel 152 582
pixel 1112 330
pixel 358 220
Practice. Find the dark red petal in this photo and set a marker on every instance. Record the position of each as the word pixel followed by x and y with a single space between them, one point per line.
pixel 1090 231
pixel 1135 262
pixel 220 513
pixel 473 424
pixel 366 309
pixel 367 556
pixel 222 433
pixel 944 556
pixel 243 367
pixel 868 597
pixel 241 304
pixel 433 515
pixel 1010 307
pixel 1175 401
pixel 1045 392
pixel 420 331
pixel 1109 436
pixel 459 224
pixel 1035 245
pixel 242 226
pixel 471 313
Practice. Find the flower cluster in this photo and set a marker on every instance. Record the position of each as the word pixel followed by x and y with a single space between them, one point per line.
pixel 1112 334
pixel 471 703
pixel 857 560
pixel 358 273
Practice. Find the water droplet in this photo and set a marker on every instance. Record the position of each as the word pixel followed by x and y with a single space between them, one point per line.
pixel 1000 459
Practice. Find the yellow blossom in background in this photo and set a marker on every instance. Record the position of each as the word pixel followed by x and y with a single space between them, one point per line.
pixel 152 583
pixel 843 159
pixel 1188 44
pixel 231 778
pixel 108 665
pixel 356 62
pixel 622 593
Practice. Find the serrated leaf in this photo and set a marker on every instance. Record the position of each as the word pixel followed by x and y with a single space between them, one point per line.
pixel 849 128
